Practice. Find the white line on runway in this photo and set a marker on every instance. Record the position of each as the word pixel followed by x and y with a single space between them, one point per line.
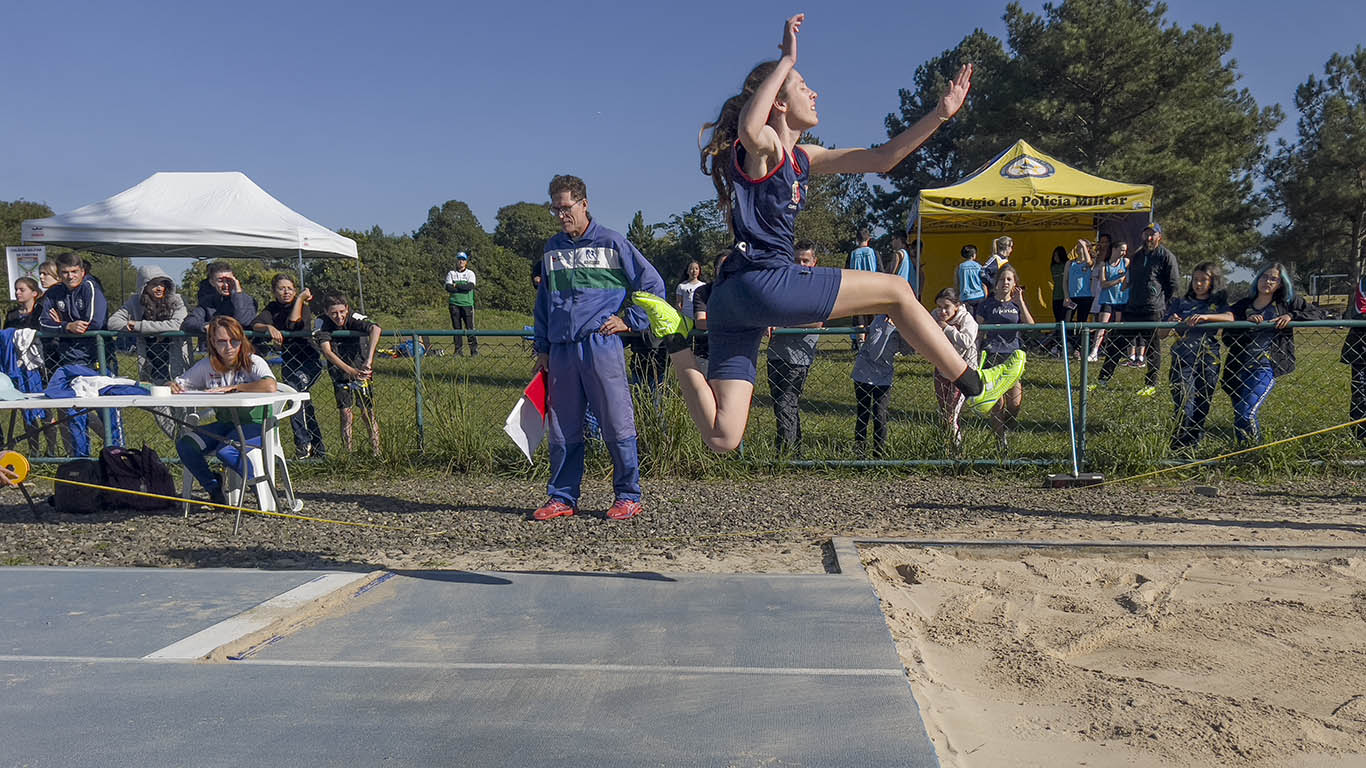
pixel 202 643
pixel 477 666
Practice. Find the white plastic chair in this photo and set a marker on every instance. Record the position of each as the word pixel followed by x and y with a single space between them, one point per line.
pixel 234 487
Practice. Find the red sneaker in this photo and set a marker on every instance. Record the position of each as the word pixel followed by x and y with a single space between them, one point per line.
pixel 551 509
pixel 622 509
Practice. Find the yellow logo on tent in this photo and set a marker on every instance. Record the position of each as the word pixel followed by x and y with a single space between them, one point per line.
pixel 1026 167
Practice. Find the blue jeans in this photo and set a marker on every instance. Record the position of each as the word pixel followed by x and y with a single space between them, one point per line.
pixel 1193 381
pixel 302 374
pixel 213 438
pixel 1248 394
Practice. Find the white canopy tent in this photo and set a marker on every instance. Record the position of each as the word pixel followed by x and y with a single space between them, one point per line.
pixel 192 215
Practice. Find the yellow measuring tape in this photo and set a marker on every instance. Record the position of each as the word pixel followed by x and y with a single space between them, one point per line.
pixel 16 464
pixel 229 507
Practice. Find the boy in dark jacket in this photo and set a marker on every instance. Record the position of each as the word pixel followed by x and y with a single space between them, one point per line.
pixel 221 296
pixel 351 365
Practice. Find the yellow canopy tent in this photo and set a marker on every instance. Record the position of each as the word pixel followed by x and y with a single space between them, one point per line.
pixel 1039 202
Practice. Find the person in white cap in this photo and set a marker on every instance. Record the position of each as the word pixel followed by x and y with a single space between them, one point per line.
pixel 460 285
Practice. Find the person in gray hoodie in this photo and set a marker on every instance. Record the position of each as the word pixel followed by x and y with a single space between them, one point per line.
pixel 156 308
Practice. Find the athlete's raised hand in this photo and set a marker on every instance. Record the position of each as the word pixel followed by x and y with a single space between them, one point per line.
pixel 952 101
pixel 790 29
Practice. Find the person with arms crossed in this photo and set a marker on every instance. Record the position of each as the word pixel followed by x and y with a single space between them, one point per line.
pixel 460 285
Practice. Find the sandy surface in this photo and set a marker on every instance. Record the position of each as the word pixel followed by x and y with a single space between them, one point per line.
pixel 1143 658
pixel 1017 658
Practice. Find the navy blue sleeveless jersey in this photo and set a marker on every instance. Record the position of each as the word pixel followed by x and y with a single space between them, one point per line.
pixel 765 211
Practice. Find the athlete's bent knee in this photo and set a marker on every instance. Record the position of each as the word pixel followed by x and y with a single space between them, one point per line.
pixel 722 443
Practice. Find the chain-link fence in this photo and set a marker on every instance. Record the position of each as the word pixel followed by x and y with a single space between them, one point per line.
pixel 1188 396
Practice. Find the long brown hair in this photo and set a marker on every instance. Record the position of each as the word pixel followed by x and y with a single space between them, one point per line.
pixel 719 151
pixel 234 329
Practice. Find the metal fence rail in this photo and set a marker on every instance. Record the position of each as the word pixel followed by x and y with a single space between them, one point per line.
pixel 442 407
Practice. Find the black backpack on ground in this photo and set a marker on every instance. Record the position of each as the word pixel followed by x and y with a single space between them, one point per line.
pixel 78 499
pixel 136 469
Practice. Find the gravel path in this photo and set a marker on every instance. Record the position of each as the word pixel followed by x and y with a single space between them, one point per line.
pixel 769 524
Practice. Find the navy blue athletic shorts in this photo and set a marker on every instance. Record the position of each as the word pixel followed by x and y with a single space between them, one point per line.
pixel 746 304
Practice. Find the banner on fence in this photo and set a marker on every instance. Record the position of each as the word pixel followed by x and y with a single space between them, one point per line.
pixel 24 261
pixel 526 424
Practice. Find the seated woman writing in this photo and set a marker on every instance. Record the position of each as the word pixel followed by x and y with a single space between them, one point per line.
pixel 231 366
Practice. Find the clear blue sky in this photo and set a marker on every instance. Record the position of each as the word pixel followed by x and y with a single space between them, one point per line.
pixel 357 116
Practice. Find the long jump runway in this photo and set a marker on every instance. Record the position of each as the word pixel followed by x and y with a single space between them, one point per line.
pixel 135 667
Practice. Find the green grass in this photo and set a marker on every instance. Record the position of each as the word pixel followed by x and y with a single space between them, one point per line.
pixel 465 401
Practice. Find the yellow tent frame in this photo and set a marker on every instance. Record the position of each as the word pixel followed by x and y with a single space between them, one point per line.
pixel 1040 202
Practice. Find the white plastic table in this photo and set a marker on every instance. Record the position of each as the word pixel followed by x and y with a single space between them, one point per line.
pixel 194 400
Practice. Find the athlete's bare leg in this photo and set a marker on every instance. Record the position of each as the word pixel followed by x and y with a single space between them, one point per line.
pixel 875 293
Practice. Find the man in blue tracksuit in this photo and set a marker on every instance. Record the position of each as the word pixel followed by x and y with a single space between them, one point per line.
pixel 76 305
pixel 589 271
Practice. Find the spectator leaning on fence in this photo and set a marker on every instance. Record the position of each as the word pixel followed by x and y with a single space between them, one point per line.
pixel 220 295
pixel 967 280
pixel 460 285
pixel 1354 355
pixel 1258 356
pixel 351 363
pixel 960 327
pixel 1194 372
pixel 300 365
pixel 76 305
pixel 789 361
pixel 591 271
pixel 156 308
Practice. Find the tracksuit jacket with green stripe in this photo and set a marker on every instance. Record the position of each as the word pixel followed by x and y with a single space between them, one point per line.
pixel 587 280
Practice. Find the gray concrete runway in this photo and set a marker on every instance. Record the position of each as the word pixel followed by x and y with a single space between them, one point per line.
pixel 450 668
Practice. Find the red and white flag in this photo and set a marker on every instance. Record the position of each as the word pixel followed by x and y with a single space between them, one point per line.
pixel 526 423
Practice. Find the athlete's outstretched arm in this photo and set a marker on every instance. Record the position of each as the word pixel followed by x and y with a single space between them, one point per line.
pixel 884 158
pixel 754 132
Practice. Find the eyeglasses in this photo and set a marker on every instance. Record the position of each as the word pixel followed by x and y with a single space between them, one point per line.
pixel 557 210
pixel 228 342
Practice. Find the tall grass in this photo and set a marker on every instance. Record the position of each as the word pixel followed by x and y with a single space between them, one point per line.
pixel 465 401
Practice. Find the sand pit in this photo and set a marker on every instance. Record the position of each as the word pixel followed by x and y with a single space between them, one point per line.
pixel 1138 658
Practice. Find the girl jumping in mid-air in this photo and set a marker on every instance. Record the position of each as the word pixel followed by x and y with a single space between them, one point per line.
pixel 760 174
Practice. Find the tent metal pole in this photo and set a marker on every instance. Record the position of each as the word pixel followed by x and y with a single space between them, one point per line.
pixel 360 289
pixel 301 270
pixel 920 248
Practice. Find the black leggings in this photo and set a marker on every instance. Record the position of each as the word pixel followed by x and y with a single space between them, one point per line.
pixel 871 401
